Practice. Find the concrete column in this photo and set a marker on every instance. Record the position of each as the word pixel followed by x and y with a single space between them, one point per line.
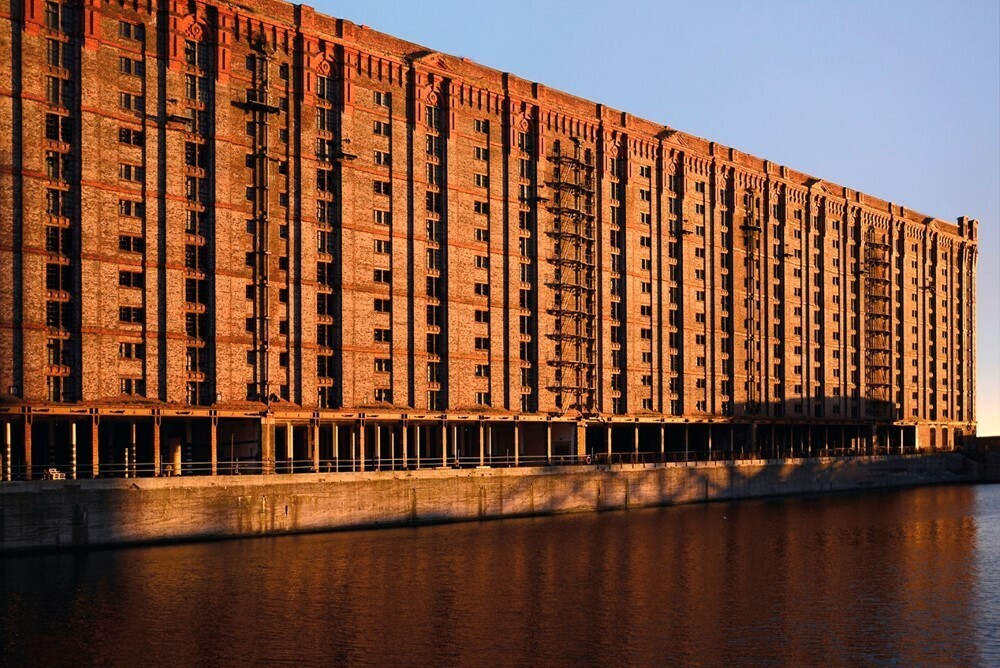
pixel 213 442
pixel 607 438
pixel 581 440
pixel 361 446
pixel 156 445
pixel 686 443
pixel 710 442
pixel 7 449
pixel 176 456
pixel 809 441
pixel 290 446
pixel 72 450
pixel 404 455
pixel 354 457
pixel 378 445
pixel 663 441
pixel 444 444
pixel 482 446
pixel 548 443
pixel 95 449
pixel 132 450
pixel 635 442
pixel 335 433
pixel 392 446
pixel 267 446
pixel 27 447
pixel 517 444
pixel 416 443
pixel 489 443
pixel 314 436
pixel 455 443
pixel 902 440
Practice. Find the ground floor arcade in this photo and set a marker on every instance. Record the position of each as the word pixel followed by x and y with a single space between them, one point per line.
pixel 90 443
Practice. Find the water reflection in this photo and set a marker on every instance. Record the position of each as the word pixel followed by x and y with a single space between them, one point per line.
pixel 890 578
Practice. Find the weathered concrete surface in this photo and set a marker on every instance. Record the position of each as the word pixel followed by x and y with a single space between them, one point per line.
pixel 46 515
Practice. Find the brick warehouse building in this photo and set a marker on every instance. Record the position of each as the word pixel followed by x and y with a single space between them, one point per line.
pixel 264 235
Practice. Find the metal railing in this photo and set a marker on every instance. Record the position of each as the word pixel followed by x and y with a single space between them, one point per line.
pixel 122 470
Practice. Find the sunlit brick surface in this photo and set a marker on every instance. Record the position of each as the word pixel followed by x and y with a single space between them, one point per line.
pixel 244 204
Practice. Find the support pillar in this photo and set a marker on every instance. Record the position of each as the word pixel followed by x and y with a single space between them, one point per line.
pixel 482 446
pixel 517 444
pixel 709 442
pixel 267 446
pixel 335 433
pixel 213 443
pixel 581 440
pixel 156 445
pixel 176 456
pixel 27 446
pixel 635 443
pixel 314 433
pixel 444 445
pixel 132 466
pixel 361 446
pixel 7 452
pixel 378 446
pixel 454 443
pixel 403 446
pixel 290 446
pixel 663 441
pixel 417 429
pixel 753 439
pixel 548 443
pixel 607 438
pixel 354 458
pixel 72 450
pixel 686 443
pixel 95 447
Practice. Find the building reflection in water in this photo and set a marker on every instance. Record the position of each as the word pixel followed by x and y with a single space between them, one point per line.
pixel 842 580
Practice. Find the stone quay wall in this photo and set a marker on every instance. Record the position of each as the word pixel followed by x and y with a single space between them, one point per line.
pixel 75 514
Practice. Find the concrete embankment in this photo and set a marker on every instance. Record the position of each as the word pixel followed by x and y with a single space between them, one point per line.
pixel 63 514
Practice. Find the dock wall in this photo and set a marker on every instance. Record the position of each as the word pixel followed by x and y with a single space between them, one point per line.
pixel 64 514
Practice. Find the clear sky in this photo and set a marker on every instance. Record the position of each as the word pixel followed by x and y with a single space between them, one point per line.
pixel 898 99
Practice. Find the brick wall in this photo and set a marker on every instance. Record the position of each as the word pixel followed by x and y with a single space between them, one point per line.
pixel 450 183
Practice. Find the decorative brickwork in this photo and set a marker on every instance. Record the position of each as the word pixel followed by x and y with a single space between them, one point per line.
pixel 266 208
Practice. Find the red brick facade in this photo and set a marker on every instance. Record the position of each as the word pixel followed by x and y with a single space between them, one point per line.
pixel 225 206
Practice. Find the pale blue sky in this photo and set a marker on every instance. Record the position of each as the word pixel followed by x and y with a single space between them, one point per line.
pixel 898 99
